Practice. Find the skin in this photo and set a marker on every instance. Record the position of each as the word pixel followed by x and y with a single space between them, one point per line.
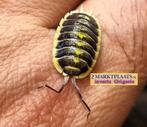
pixel 26 37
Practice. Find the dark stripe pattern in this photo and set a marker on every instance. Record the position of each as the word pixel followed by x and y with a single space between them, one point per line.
pixel 77 43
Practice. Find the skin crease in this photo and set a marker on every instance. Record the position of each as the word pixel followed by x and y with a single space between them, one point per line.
pixel 26 36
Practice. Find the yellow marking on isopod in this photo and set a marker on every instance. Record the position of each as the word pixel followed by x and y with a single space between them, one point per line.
pixel 80 43
pixel 96 56
pixel 76 60
pixel 73 68
pixel 81 35
pixel 86 17
pixel 78 51
pixel 61 22
pixel 56 64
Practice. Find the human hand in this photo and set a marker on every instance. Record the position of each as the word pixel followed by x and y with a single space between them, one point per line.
pixel 26 37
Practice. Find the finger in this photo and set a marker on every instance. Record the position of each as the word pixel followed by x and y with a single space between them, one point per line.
pixel 26 61
pixel 42 12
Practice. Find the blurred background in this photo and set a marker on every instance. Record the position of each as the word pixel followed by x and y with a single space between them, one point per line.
pixel 138 115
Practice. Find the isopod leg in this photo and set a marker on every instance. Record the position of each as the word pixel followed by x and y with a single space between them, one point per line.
pixel 66 79
pixel 80 95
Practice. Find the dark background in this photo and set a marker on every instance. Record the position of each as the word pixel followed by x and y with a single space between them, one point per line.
pixel 138 115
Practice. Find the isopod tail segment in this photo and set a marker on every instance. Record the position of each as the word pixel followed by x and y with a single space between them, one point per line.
pixel 73 80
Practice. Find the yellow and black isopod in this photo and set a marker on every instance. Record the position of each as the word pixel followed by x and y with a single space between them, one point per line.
pixel 76 48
